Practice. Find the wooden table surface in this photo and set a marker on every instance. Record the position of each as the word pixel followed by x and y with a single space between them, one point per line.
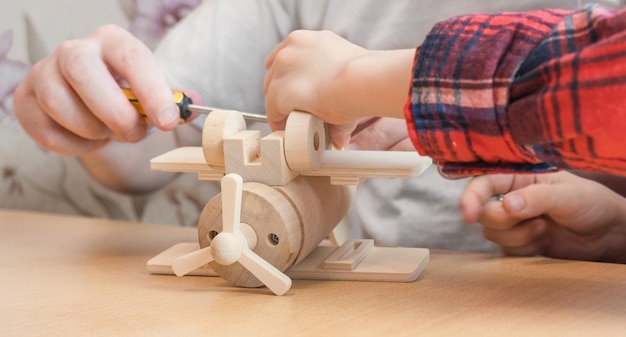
pixel 73 276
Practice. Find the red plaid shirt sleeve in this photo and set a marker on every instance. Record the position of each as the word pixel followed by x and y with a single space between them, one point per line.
pixel 522 92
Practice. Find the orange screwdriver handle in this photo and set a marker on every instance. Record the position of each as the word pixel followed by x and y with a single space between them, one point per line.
pixel 181 100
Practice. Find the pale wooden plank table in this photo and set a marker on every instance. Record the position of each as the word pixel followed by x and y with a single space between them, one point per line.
pixel 72 276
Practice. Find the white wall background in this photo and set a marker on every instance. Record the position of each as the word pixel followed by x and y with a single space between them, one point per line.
pixel 56 21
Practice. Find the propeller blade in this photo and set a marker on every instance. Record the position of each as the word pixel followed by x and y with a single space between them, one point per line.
pixel 231 244
pixel 232 186
pixel 273 278
pixel 187 263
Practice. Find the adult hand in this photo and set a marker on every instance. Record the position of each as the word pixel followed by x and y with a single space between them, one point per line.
pixel 71 102
pixel 557 215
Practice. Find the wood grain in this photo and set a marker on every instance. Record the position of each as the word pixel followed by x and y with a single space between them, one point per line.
pixel 74 276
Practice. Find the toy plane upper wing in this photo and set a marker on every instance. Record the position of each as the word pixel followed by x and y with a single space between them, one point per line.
pixel 302 149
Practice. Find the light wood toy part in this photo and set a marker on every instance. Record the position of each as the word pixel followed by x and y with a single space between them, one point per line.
pixel 231 245
pixel 282 195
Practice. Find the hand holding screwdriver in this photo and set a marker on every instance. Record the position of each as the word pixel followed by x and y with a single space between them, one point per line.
pixel 71 103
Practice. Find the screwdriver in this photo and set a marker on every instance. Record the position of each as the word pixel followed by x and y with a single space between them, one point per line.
pixel 186 107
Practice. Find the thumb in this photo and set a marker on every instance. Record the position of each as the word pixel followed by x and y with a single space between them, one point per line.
pixel 537 199
pixel 479 190
pixel 340 134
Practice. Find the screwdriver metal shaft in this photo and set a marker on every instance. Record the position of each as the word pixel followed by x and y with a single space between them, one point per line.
pixel 246 115
pixel 186 107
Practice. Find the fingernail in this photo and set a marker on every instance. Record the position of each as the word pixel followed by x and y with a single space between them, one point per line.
pixel 343 142
pixel 168 116
pixel 105 135
pixel 514 203
pixel 539 229
pixel 136 134
pixel 353 146
pixel 96 144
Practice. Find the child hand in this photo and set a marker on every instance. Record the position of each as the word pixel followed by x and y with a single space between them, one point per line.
pixel 301 76
pixel 323 74
pixel 557 215
pixel 381 134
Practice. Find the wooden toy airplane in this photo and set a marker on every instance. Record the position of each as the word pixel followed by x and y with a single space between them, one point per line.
pixel 281 196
